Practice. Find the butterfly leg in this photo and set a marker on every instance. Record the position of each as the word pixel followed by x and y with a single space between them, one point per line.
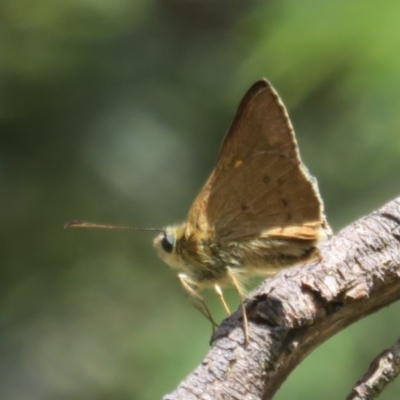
pixel 220 294
pixel 193 295
pixel 239 291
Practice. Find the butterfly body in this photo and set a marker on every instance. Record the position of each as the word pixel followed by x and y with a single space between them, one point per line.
pixel 204 260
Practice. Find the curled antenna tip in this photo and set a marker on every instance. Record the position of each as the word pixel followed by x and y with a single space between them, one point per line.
pixel 73 224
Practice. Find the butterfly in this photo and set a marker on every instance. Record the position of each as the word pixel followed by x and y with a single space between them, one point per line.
pixel 259 211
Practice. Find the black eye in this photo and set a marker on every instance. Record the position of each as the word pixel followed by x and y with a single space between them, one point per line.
pixel 167 242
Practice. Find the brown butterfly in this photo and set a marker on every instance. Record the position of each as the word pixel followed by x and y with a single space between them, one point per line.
pixel 259 211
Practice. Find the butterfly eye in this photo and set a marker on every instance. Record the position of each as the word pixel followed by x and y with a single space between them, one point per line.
pixel 167 243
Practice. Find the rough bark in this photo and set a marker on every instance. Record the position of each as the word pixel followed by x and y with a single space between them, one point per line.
pixel 356 274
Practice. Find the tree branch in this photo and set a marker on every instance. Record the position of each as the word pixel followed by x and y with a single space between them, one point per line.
pixel 356 274
pixel 383 370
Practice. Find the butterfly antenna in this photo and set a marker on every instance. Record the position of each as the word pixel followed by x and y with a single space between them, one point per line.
pixel 84 224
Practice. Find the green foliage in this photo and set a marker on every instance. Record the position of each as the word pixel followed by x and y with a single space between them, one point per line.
pixel 113 111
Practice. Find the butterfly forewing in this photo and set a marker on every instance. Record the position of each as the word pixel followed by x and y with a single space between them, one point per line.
pixel 259 187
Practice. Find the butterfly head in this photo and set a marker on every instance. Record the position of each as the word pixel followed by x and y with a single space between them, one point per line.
pixel 165 244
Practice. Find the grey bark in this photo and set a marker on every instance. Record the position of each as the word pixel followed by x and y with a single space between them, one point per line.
pixel 356 274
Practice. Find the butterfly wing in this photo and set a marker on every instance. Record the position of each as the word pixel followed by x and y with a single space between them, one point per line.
pixel 259 187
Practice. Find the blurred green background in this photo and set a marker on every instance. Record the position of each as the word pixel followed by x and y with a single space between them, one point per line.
pixel 113 111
